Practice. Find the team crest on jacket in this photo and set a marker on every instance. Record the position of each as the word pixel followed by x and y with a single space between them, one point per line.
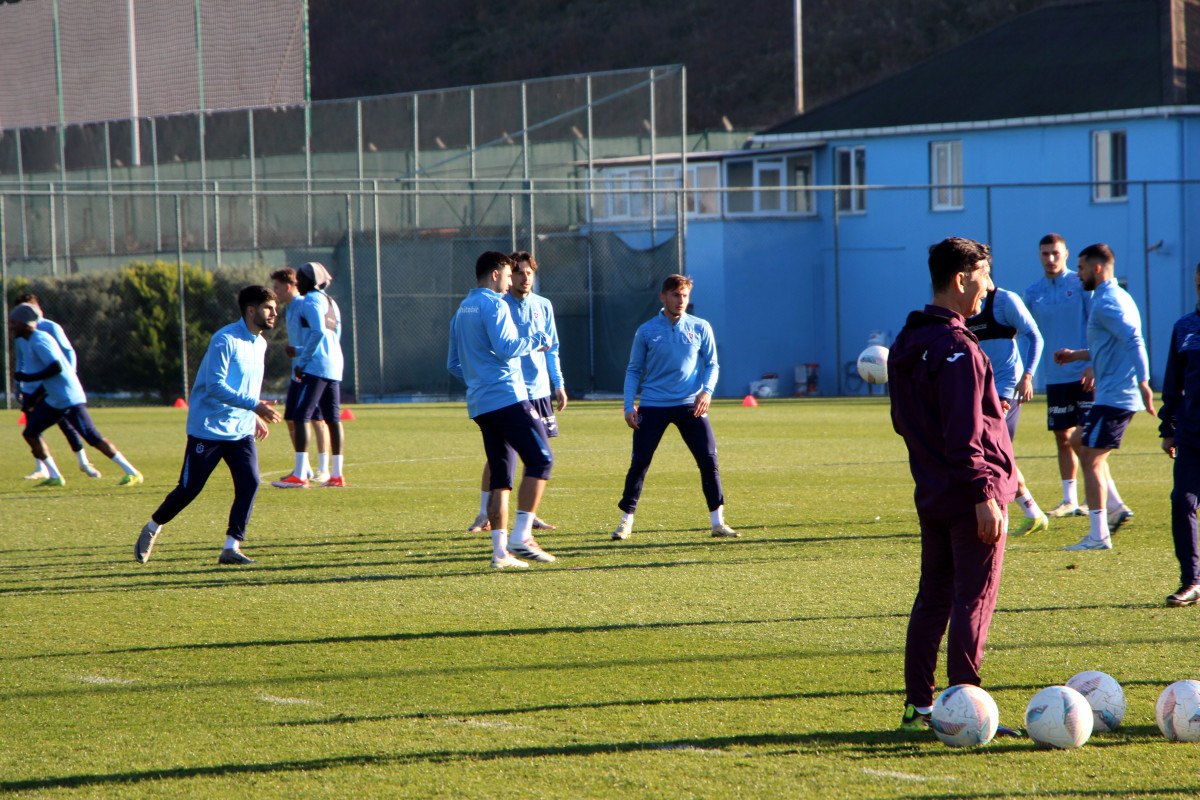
pixel 199 449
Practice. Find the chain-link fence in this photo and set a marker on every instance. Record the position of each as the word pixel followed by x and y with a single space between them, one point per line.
pixel 807 284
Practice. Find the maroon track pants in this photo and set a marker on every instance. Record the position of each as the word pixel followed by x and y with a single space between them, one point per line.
pixel 960 577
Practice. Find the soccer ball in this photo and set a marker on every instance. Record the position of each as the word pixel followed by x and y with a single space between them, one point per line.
pixel 1177 711
pixel 1059 716
pixel 964 716
pixel 872 364
pixel 1104 695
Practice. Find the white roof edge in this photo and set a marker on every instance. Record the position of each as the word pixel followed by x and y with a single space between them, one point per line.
pixel 818 137
pixel 705 155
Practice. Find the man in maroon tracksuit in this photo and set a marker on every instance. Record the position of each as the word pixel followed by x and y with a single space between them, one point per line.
pixel 944 404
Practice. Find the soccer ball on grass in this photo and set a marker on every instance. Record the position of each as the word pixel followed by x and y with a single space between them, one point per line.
pixel 1104 695
pixel 964 716
pixel 1059 716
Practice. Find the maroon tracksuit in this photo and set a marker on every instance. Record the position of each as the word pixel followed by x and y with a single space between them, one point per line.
pixel 944 404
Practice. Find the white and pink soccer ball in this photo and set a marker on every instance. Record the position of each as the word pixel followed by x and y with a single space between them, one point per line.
pixel 1104 695
pixel 1060 717
pixel 964 716
pixel 1177 711
pixel 872 364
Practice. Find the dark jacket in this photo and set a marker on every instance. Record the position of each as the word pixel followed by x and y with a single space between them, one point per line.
pixel 944 404
pixel 1179 416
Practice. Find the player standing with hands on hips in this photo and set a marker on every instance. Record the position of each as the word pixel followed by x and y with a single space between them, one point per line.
pixel 1179 426
pixel 945 406
pixel 225 418
pixel 1122 369
pixel 674 365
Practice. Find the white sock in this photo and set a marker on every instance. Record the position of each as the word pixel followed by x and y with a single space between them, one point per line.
pixel 1029 505
pixel 232 544
pixel 81 457
pixel 499 549
pixel 1114 501
pixel 1070 492
pixel 1099 524
pixel 337 467
pixel 627 519
pixel 484 497
pixel 154 526
pixel 718 516
pixel 523 529
pixel 124 464
pixel 39 465
pixel 51 467
pixel 303 468
pixel 924 709
pixel 322 462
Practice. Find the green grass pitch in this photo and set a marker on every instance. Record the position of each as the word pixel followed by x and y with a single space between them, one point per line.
pixel 372 652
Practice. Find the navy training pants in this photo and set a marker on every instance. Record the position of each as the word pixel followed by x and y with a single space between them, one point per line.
pixel 200 459
pixel 1185 499
pixel 697 434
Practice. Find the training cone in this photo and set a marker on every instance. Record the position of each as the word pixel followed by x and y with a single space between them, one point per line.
pixel 21 419
pixel 347 414
pixel 749 401
pixel 180 403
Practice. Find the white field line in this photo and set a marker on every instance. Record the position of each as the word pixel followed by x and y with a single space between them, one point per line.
pixel 481 723
pixel 905 776
pixel 101 680
pixel 687 748
pixel 287 701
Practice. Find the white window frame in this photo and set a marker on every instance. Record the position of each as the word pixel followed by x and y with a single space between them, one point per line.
pixel 850 201
pixel 772 179
pixel 1110 166
pixel 946 175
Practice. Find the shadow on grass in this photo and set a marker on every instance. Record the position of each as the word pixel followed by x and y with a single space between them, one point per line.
pixel 867 743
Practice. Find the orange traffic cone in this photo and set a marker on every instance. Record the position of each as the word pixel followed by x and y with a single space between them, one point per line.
pixel 180 403
pixel 21 419
pixel 749 401
pixel 347 414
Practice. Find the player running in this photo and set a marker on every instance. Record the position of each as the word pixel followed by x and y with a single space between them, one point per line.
pixel 542 370
pixel 673 364
pixel 1118 355
pixel 225 418
pixel 44 362
pixel 283 283
pixel 484 353
pixel 1002 321
pixel 318 367
pixel 31 393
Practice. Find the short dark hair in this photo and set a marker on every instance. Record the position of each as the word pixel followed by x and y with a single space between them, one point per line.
pixel 676 282
pixel 951 256
pixel 1052 238
pixel 489 261
pixel 523 255
pixel 254 296
pixel 29 297
pixel 286 275
pixel 1098 252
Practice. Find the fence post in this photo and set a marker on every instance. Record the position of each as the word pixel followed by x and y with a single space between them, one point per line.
pixel 837 292
pixel 53 232
pixel 378 279
pixel 4 303
pixel 217 220
pixel 183 358
pixel 353 292
pixel 1146 326
pixel 108 180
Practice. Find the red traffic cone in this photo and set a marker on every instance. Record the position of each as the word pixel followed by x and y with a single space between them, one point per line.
pixel 347 414
pixel 180 403
pixel 21 419
pixel 749 401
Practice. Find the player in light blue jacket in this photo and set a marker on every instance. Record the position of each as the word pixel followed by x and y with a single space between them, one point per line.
pixel 1118 355
pixel 485 353
pixel 32 392
pixel 542 370
pixel 225 418
pixel 673 365
pixel 43 362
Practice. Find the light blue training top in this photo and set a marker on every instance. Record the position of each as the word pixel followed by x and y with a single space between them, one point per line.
pixel 228 384
pixel 1010 360
pixel 41 350
pixel 64 344
pixel 295 333
pixel 671 364
pixel 1118 351
pixel 485 351
pixel 1060 306
pixel 542 370
pixel 320 343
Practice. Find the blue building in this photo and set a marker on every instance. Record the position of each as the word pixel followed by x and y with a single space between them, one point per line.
pixel 1081 118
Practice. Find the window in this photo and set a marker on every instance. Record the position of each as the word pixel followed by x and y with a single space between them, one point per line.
pixel 850 169
pixel 772 177
pixel 703 199
pixel 1109 171
pixel 945 175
